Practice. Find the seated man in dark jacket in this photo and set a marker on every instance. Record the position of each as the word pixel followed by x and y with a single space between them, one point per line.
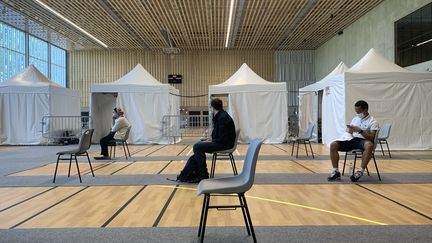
pixel 222 138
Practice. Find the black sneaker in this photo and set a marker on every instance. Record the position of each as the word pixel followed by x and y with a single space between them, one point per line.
pixel 335 176
pixel 356 176
pixel 194 180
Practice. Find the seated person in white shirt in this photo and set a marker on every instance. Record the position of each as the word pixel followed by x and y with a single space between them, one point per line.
pixel 360 135
pixel 118 131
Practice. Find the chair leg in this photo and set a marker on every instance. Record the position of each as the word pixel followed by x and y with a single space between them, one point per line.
pixel 376 167
pixel 388 148
pixel 79 173
pixel 55 172
pixel 310 145
pixel 202 215
pixel 249 218
pixel 382 150
pixel 127 146
pixel 213 165
pixel 91 168
pixel 307 154
pixel 115 148
pixel 343 171
pixel 124 150
pixel 367 170
pixel 204 218
pixel 244 214
pixel 298 146
pixel 70 163
pixel 292 150
pixel 233 165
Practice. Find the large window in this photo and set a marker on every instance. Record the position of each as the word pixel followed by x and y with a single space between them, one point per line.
pixel 414 37
pixel 12 51
pixel 58 65
pixel 49 59
pixel 39 54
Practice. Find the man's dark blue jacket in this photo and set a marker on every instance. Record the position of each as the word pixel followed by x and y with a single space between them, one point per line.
pixel 223 129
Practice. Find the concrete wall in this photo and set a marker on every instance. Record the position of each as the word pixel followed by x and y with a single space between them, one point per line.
pixel 375 29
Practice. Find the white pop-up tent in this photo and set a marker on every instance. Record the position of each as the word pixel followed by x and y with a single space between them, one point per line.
pixel 144 100
pixel 394 94
pixel 308 101
pixel 258 107
pixel 25 99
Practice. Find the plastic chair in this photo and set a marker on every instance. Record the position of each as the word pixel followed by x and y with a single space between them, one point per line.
pixel 358 153
pixel 83 146
pixel 225 154
pixel 123 141
pixel 304 140
pixel 228 186
pixel 383 136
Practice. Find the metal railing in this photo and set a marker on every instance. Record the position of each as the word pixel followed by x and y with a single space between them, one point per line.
pixel 64 129
pixel 180 126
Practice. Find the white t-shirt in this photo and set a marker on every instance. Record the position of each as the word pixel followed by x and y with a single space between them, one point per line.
pixel 120 127
pixel 366 124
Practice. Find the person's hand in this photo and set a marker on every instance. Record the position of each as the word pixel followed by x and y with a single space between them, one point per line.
pixel 356 129
pixel 350 129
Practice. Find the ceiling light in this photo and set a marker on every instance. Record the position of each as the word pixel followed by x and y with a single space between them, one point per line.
pixel 229 22
pixel 424 42
pixel 70 22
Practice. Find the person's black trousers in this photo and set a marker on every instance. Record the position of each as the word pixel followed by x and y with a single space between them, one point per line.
pixel 104 143
pixel 200 149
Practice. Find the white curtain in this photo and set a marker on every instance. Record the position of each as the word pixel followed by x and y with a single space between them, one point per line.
pixel 308 113
pixel 260 115
pixel 144 112
pixel 21 117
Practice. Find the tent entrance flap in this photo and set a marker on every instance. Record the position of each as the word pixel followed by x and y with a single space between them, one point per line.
pixel 101 107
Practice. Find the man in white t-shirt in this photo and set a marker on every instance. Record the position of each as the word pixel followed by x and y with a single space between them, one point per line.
pixel 360 135
pixel 118 131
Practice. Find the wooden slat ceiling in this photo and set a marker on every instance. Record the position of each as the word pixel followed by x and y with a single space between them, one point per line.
pixel 199 24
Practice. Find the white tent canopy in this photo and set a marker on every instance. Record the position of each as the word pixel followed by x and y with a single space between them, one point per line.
pixel 394 94
pixel 258 107
pixel 144 100
pixel 25 99
pixel 308 101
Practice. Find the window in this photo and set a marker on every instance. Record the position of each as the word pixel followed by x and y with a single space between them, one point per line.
pixel 39 54
pixel 12 51
pixel 58 65
pixel 414 37
pixel 49 59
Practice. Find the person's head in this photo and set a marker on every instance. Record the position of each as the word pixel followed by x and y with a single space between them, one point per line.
pixel 361 108
pixel 117 112
pixel 216 105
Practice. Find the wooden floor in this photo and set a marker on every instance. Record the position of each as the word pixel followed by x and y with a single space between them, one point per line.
pixel 177 206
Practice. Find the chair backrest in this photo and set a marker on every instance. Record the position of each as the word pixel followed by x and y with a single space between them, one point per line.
pixel 385 131
pixel 375 141
pixel 85 141
pixel 126 136
pixel 309 131
pixel 249 165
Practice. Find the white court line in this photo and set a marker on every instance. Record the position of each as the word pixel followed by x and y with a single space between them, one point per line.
pixel 237 152
pixel 189 153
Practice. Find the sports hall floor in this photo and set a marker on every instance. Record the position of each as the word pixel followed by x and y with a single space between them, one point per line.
pixel 132 201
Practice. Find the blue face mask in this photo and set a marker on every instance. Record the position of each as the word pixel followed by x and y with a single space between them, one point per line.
pixel 361 115
pixel 115 115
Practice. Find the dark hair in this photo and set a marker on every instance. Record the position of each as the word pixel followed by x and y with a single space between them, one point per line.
pixel 363 104
pixel 216 104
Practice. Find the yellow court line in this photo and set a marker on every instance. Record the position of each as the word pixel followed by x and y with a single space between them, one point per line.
pixel 295 205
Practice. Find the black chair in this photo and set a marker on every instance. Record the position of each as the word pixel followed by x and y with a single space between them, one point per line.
pixel 225 154
pixel 123 142
pixel 358 153
pixel 303 140
pixel 83 146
